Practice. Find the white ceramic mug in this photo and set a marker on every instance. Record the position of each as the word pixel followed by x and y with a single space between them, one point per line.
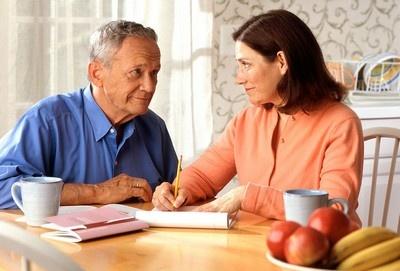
pixel 37 197
pixel 300 203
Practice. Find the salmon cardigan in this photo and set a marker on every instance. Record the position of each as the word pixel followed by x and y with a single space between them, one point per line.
pixel 321 149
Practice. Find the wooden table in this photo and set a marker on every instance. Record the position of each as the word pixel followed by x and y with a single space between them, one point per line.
pixel 240 248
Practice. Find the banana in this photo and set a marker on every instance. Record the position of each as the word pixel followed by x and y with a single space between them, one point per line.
pixel 374 256
pixel 392 266
pixel 358 240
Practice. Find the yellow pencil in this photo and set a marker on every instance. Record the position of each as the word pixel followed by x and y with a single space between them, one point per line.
pixel 178 175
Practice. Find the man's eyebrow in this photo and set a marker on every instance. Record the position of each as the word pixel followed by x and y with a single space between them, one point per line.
pixel 138 65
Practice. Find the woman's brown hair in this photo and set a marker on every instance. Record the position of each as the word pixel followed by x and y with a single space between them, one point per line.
pixel 307 81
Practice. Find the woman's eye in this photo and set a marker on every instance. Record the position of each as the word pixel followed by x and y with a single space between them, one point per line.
pixel 246 66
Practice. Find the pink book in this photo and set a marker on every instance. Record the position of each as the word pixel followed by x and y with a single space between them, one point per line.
pixel 91 224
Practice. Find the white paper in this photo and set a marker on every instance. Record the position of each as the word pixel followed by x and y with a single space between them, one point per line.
pixel 178 219
pixel 65 236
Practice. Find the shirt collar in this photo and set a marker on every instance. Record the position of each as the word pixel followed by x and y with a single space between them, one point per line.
pixel 129 129
pixel 100 124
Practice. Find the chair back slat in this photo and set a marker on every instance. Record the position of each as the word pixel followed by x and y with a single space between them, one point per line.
pixel 379 133
pixel 25 264
pixel 374 180
pixel 390 182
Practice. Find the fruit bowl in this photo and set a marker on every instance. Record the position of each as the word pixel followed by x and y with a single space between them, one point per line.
pixel 292 267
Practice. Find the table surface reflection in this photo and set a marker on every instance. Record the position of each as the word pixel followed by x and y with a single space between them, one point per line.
pixel 240 248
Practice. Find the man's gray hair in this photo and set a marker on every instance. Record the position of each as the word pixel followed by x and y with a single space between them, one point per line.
pixel 105 42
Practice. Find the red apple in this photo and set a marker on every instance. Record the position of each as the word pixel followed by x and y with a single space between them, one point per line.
pixel 332 222
pixel 306 246
pixel 353 226
pixel 280 231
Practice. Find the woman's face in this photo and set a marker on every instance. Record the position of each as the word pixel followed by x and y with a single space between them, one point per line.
pixel 258 76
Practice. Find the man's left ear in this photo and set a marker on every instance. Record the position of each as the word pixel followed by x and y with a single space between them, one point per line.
pixel 95 73
pixel 283 66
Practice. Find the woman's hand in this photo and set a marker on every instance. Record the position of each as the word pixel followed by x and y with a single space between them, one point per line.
pixel 230 202
pixel 164 200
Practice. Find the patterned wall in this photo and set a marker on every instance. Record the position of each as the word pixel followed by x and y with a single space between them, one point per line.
pixel 345 29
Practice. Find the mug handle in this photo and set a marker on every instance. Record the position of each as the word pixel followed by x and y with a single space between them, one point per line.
pixel 342 202
pixel 15 196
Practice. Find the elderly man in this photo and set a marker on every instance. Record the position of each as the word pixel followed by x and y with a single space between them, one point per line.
pixel 101 140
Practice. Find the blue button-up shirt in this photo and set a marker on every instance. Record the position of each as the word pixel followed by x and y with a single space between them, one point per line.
pixel 68 136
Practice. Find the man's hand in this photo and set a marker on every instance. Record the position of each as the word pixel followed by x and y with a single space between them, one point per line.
pixel 117 189
pixel 123 187
pixel 163 198
pixel 230 202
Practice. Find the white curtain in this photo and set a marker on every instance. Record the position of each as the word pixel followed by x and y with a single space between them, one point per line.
pixel 44 52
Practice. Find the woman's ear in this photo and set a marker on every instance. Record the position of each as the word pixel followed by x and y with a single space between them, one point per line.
pixel 283 66
pixel 95 73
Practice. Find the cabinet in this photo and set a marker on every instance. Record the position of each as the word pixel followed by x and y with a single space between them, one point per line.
pixel 378 116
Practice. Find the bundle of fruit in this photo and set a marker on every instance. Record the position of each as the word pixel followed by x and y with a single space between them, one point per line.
pixel 330 240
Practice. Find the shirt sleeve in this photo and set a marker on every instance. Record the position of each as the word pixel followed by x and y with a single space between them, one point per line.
pixel 24 151
pixel 213 170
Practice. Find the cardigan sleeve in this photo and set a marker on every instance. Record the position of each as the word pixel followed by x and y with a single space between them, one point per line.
pixel 213 169
pixel 263 200
pixel 340 175
pixel 341 172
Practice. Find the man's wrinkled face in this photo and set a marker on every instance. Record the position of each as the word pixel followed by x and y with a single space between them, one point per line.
pixel 130 80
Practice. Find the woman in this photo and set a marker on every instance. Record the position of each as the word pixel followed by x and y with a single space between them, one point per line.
pixel 296 134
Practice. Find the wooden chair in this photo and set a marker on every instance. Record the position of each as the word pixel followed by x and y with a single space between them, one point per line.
pixel 33 249
pixel 378 133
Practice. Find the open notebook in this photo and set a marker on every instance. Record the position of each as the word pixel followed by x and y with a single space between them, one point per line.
pixel 114 219
pixel 91 224
pixel 184 218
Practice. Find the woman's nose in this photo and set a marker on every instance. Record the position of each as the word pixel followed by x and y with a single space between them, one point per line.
pixel 239 78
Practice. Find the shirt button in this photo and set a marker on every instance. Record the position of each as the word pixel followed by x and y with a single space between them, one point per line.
pixel 116 163
pixel 112 130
